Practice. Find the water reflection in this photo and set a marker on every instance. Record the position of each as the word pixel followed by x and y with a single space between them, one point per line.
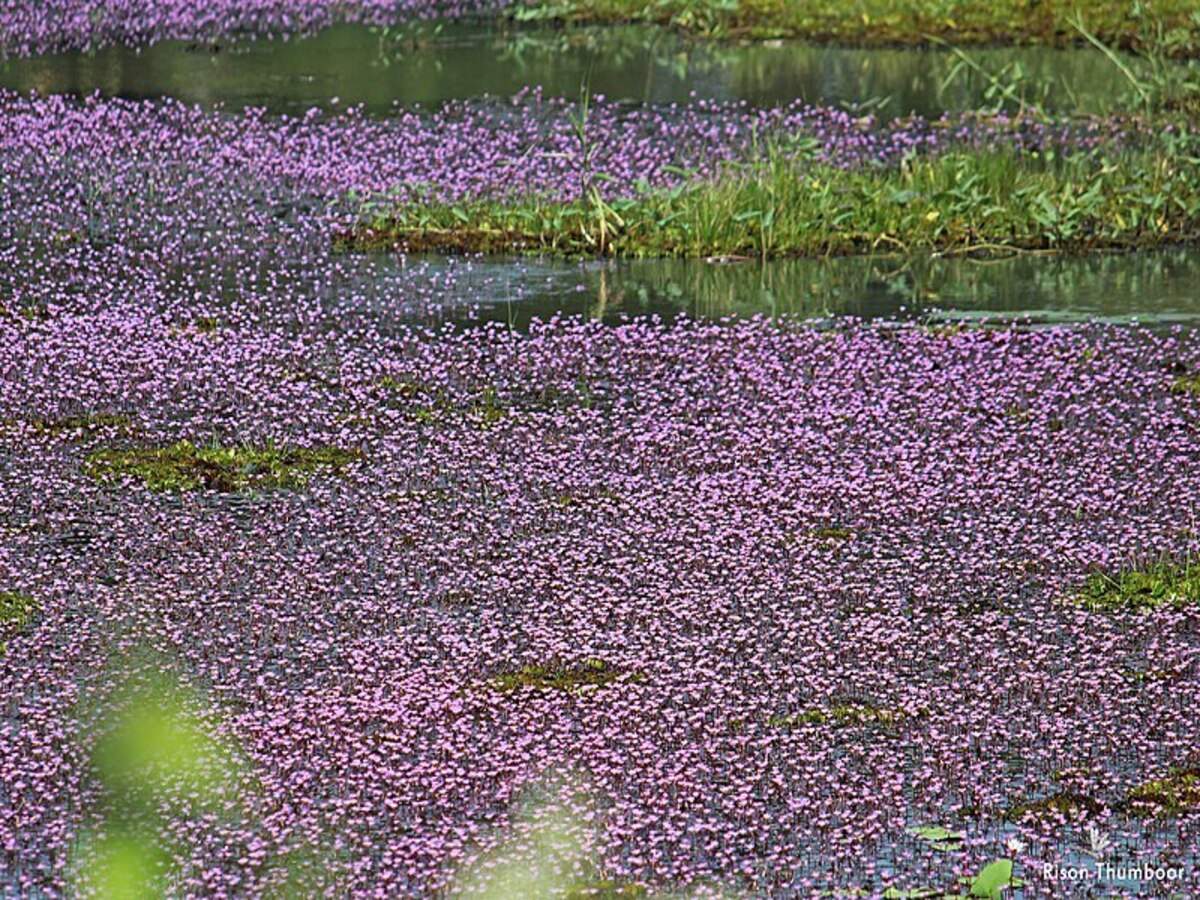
pixel 355 64
pixel 1152 288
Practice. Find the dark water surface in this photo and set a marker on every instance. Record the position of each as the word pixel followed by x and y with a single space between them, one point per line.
pixel 348 65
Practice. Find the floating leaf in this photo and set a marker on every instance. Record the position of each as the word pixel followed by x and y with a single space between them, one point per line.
pixel 993 878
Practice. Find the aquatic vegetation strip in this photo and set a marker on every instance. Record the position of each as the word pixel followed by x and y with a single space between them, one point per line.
pixel 34 26
pixel 964 202
pixel 435 627
pixel 102 184
pixel 888 22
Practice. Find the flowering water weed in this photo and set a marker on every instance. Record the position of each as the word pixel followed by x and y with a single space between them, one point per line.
pixel 788 599
pixel 363 698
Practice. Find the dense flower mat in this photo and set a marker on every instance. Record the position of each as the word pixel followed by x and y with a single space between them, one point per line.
pixel 29 27
pixel 827 576
pixel 774 595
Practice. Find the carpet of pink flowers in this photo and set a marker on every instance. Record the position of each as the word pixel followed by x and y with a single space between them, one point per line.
pixel 746 521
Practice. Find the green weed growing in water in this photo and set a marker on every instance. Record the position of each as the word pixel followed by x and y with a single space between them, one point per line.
pixel 1174 794
pixel 555 677
pixel 1188 385
pixel 17 611
pixel 1163 584
pixel 184 466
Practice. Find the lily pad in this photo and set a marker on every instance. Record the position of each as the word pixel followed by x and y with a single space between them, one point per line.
pixel 938 838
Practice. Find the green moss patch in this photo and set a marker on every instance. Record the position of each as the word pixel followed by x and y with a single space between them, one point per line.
pixel 83 423
pixel 1064 805
pixel 1188 385
pixel 842 715
pixel 186 467
pixel 605 889
pixel 1176 793
pixel 558 677
pixel 1157 586
pixel 16 613
pixel 834 533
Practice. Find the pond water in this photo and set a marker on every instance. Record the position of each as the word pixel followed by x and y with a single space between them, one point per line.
pixel 360 65
pixel 1154 289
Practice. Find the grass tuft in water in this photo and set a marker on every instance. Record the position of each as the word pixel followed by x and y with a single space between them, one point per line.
pixel 1061 805
pixel 1188 385
pixel 83 423
pixel 186 467
pixel 842 715
pixel 1160 585
pixel 558 677
pixel 17 610
pixel 1174 794
pixel 981 203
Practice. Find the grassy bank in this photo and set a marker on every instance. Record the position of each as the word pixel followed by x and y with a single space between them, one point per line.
pixel 883 22
pixel 961 202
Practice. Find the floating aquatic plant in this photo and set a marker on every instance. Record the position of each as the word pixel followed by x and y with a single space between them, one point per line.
pixel 592 672
pixel 1175 793
pixel 1063 805
pixel 1163 584
pixel 17 611
pixel 184 466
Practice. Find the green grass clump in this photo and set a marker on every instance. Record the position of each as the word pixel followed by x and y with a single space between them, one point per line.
pixel 842 715
pixel 16 613
pixel 186 467
pixel 1156 586
pixel 834 533
pixel 558 677
pixel 1176 793
pixel 886 22
pixel 983 203
pixel 1186 384
pixel 1054 806
pixel 605 889
pixel 82 423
